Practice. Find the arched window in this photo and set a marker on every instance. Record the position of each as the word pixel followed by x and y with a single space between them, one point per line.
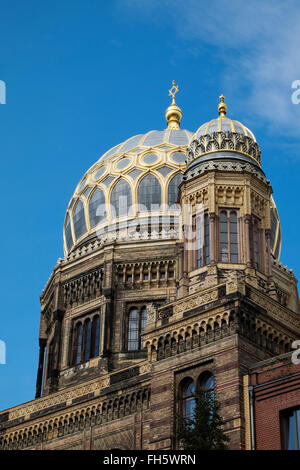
pixel 188 400
pixel 79 220
pixel 120 198
pixel 234 254
pixel 173 189
pixel 95 336
pixel 133 330
pixel 86 340
pixel 68 233
pixel 149 192
pixel 202 240
pixel 137 321
pixel 143 324
pixel 228 236
pixel 78 344
pixel 207 383
pixel 97 207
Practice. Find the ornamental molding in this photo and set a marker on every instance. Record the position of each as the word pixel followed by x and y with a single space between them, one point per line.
pixel 195 301
pixel 227 140
pixel 225 165
pixel 276 311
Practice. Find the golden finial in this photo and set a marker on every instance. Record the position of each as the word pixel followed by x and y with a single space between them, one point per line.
pixel 222 107
pixel 173 114
pixel 173 91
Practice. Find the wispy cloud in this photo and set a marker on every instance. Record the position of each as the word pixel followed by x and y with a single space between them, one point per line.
pixel 257 43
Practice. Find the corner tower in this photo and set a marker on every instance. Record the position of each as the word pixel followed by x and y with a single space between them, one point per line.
pixel 236 304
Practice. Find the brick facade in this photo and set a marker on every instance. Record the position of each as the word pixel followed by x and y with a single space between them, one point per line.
pixel 275 385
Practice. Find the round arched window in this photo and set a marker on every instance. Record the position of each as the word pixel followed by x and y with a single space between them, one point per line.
pixel 149 193
pixel 120 199
pixel 207 383
pixel 188 399
pixel 97 207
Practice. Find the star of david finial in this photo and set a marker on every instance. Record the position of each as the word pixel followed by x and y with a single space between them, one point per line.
pixel 222 107
pixel 173 91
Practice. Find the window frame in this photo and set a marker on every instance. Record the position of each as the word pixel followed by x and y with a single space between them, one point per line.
pixel 184 385
pixel 285 415
pixel 204 258
pixel 198 379
pixel 141 309
pixel 89 337
pixel 228 212
pixel 145 198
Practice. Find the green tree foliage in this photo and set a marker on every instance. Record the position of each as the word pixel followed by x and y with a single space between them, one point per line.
pixel 203 431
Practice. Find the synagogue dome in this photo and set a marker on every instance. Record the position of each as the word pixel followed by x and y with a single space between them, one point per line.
pixel 223 138
pixel 146 169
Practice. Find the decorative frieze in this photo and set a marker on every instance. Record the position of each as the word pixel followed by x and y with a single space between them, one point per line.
pixel 227 140
pixel 83 288
pixel 112 408
pixel 137 274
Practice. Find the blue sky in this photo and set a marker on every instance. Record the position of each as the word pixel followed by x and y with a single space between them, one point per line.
pixel 84 75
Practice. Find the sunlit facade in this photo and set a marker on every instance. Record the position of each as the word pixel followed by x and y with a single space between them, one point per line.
pixel 170 282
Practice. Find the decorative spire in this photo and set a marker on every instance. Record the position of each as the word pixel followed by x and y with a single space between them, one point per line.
pixel 222 107
pixel 173 113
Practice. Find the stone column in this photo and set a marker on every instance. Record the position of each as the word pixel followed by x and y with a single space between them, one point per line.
pixel 212 237
pixel 268 240
pixel 247 239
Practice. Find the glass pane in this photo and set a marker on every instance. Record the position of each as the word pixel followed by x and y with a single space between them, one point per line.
pixel 189 407
pixel 233 238
pixel 223 237
pixel 178 157
pixel 79 220
pixel 174 188
pixel 96 321
pixel 298 426
pixel 223 217
pixel 68 232
pixel 133 330
pixel 234 248
pixel 123 163
pixel 150 159
pixel 208 382
pixel 88 327
pixel 189 389
pixel 149 192
pixel 143 322
pixel 97 207
pixel 79 343
pixel 234 259
pixel 206 238
pixel 291 436
pixel 121 198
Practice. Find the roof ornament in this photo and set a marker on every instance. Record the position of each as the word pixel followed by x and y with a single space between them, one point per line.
pixel 173 113
pixel 173 91
pixel 222 107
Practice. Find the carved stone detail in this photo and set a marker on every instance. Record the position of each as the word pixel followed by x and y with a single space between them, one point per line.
pixel 223 141
pixel 84 288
